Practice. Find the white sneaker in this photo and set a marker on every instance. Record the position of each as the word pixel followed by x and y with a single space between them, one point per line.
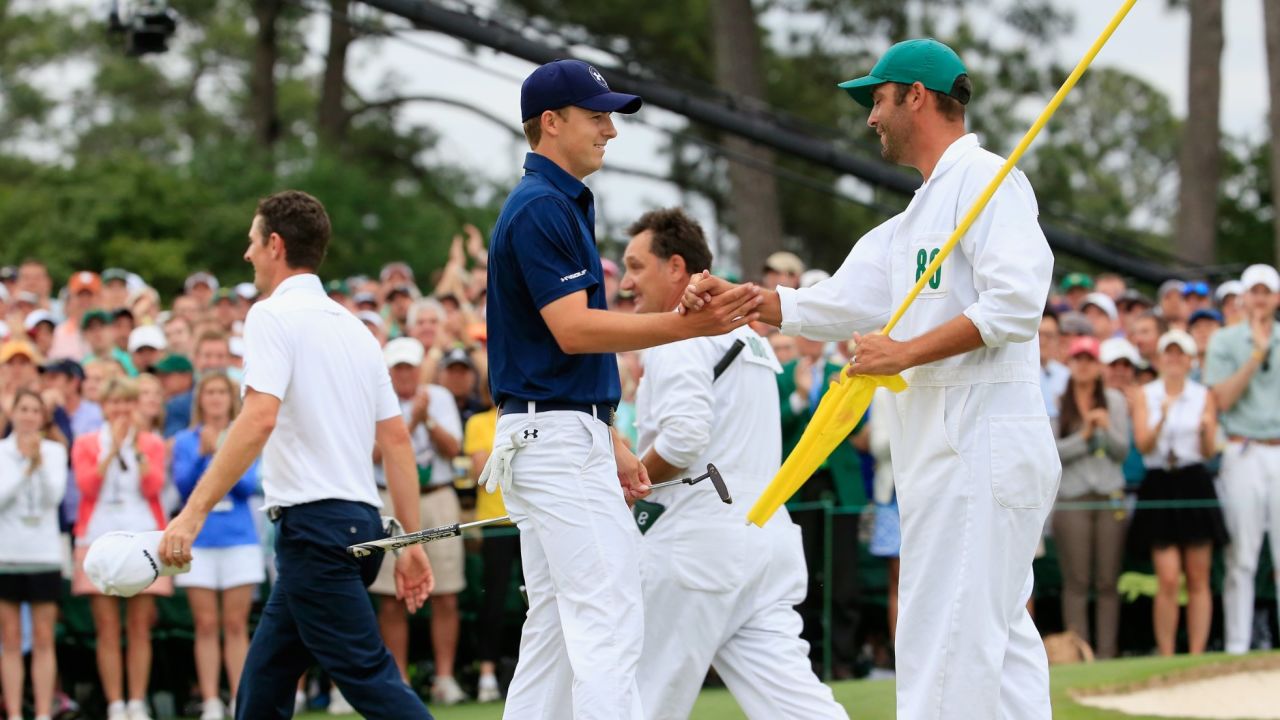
pixel 445 691
pixel 488 691
pixel 137 710
pixel 338 705
pixel 116 711
pixel 213 710
pixel 299 702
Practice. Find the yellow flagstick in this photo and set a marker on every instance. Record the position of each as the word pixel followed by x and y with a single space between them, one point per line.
pixel 829 425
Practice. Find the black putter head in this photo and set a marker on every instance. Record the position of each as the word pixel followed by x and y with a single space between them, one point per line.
pixel 721 489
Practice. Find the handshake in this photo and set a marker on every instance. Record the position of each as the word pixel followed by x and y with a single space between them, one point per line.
pixel 714 306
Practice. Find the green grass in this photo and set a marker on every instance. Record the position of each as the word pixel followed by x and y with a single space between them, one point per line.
pixel 873 700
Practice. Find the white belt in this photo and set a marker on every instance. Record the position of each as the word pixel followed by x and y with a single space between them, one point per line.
pixel 1007 372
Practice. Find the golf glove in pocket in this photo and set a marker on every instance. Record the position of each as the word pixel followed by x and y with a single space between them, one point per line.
pixel 497 471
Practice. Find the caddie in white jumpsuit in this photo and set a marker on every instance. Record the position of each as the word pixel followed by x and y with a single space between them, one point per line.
pixel 716 592
pixel 974 458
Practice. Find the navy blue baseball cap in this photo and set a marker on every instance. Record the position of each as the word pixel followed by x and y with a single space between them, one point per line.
pixel 571 82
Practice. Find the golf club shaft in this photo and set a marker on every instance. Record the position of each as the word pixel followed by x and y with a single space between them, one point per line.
pixel 422 536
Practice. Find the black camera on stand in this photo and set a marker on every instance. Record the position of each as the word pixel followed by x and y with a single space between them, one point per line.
pixel 146 25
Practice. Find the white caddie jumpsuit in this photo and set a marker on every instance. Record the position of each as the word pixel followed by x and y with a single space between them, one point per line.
pixel 716 592
pixel 974 460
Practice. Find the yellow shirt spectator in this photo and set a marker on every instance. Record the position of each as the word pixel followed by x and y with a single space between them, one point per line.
pixel 477 444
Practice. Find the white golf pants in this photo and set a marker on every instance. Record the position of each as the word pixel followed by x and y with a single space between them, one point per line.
pixel 579 548
pixel 975 484
pixel 1249 486
pixel 719 594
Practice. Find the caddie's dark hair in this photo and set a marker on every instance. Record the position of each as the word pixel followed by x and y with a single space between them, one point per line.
pixel 300 220
pixel 675 233
pixel 951 104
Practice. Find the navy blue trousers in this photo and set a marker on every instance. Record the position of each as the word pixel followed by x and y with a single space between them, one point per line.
pixel 320 612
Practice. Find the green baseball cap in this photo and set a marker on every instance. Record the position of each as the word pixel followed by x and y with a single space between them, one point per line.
pixel 923 60
pixel 1076 280
pixel 174 364
pixel 101 316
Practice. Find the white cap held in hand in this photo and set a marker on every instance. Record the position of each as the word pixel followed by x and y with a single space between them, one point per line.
pixel 124 563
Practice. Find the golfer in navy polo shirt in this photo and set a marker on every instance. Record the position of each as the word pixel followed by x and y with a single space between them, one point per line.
pixel 555 380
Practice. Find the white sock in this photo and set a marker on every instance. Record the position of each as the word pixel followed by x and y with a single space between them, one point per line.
pixel 488 681
pixel 116 707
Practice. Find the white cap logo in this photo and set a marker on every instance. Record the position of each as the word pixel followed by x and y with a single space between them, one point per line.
pixel 599 78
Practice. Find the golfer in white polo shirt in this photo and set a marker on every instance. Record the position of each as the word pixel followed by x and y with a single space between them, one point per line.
pixel 317 400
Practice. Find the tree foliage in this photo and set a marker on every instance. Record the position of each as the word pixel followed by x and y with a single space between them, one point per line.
pixel 153 163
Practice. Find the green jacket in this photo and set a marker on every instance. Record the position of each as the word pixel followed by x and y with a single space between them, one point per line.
pixel 845 467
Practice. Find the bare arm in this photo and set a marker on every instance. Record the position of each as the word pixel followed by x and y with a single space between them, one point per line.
pixel 879 355
pixel 579 329
pixel 958 335
pixel 245 439
pixel 401 468
pixel 659 469
pixel 1144 436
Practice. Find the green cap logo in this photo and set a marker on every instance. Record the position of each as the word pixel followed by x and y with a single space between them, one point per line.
pixel 924 60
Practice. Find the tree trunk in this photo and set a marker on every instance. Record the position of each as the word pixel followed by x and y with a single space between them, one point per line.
pixel 1200 157
pixel 332 118
pixel 1271 20
pixel 262 83
pixel 753 202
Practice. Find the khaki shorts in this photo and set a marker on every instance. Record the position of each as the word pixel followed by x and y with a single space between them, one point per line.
pixel 436 508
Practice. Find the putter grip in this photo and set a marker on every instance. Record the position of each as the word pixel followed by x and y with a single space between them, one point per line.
pixel 729 356
pixel 403 541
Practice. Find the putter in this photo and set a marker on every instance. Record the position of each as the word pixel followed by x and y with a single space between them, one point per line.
pixel 366 549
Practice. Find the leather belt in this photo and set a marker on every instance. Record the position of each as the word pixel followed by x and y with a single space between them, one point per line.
pixel 1270 442
pixel 603 413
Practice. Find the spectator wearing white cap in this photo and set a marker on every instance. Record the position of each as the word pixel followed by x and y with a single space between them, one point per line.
pixel 373 321
pixel 120 471
pixel 435 429
pixel 33 480
pixel 1172 303
pixel 782 268
pixel 1102 314
pixel 146 346
pixel 201 286
pixel 1178 520
pixel 39 326
pixel 1243 368
pixel 1121 363
pixel 1121 360
pixel 1228 296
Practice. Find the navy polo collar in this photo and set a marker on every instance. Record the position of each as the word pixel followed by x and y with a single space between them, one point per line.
pixel 556 175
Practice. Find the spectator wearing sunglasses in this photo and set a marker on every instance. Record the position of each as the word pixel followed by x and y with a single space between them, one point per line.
pixel 1197 296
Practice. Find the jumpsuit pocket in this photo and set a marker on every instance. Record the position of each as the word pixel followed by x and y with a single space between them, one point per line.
pixel 1024 461
pixel 703 560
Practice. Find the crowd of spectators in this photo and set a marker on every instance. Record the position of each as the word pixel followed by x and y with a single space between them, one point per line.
pixel 113 400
